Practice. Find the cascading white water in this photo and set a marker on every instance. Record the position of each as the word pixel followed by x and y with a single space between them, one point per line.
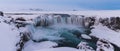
pixel 45 20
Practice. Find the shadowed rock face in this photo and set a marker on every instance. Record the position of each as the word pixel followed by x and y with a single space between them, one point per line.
pixel 20 22
pixel 63 15
pixel 1 13
pixel 112 22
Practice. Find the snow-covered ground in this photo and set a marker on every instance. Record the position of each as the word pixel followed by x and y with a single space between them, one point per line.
pixel 60 49
pixel 8 36
pixel 98 13
pixel 103 32
pixel 31 46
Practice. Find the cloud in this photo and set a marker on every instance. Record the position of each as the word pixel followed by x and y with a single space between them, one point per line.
pixel 62 4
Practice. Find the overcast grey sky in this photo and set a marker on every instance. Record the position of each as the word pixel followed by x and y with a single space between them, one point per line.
pixel 61 4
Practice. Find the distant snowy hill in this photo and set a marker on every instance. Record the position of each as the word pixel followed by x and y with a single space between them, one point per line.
pixel 99 13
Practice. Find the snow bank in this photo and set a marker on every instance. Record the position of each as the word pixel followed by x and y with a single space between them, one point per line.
pixel 85 36
pixel 60 49
pixel 8 37
pixel 103 32
pixel 32 46
pixel 98 13
pixel 104 45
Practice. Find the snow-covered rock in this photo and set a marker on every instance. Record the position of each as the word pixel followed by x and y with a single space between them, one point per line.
pixel 104 45
pixel 104 32
pixel 85 36
pixel 32 46
pixel 84 46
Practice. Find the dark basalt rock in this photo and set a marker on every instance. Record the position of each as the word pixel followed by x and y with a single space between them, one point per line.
pixel 20 19
pixel 63 15
pixel 1 13
pixel 20 22
pixel 24 37
pixel 112 22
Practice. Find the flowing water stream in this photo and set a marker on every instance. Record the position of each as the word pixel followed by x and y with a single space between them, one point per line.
pixel 66 31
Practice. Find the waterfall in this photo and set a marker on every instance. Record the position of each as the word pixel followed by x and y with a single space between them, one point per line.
pixel 58 28
pixel 45 20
